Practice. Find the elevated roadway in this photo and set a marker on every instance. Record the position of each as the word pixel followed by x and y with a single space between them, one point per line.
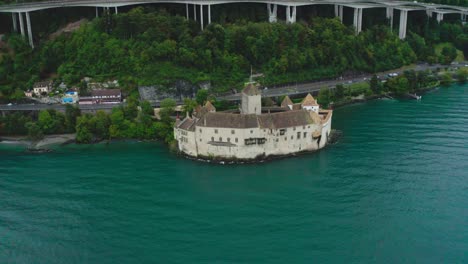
pixel 19 10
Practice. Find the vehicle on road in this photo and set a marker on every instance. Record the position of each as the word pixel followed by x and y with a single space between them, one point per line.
pixel 10 104
pixel 393 74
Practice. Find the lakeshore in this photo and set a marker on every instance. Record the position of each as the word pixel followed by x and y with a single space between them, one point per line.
pixel 392 190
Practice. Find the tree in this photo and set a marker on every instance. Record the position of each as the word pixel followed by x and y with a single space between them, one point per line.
pixel 189 105
pixel 339 91
pixel 83 130
pixel 446 79
pixel 462 74
pixel 202 96
pixel 167 109
pixel 71 114
pixel 146 108
pixel 34 131
pixel 46 122
pixel 375 84
pixel 102 124
pixel 324 97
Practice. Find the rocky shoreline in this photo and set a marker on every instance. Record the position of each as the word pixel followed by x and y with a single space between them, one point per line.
pixel 40 146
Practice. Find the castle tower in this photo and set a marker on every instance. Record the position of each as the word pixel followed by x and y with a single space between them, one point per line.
pixel 251 100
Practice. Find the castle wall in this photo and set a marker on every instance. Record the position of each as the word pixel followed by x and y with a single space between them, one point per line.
pixel 186 141
pixel 221 142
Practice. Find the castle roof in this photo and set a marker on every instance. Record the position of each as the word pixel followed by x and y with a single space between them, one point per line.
pixel 187 124
pixel 269 121
pixel 309 100
pixel 287 119
pixel 210 107
pixel 251 89
pixel 286 102
pixel 228 120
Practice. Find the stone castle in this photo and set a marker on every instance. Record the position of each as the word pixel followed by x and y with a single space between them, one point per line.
pixel 254 132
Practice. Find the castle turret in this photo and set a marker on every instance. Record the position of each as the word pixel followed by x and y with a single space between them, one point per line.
pixel 251 100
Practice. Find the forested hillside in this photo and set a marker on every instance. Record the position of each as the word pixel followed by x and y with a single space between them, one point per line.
pixel 147 47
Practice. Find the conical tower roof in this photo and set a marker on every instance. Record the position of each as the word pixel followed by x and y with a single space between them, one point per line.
pixel 251 89
pixel 309 100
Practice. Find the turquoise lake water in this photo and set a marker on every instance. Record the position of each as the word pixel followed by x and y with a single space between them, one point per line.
pixel 393 190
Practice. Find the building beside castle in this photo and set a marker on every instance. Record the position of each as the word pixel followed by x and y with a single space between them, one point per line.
pixel 253 132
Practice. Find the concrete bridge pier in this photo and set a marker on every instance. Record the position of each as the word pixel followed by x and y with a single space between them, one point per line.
pixel 429 13
pixel 21 23
pixel 403 22
pixel 195 12
pixel 272 13
pixel 291 14
pixel 15 22
pixel 340 13
pixel 116 11
pixel 440 17
pixel 30 36
pixel 97 12
pixel 358 20
pixel 390 16
pixel 337 10
pixel 187 12
pixel 209 14
pixel 201 16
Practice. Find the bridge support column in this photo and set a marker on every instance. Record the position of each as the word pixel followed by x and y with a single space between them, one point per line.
pixel 187 12
pixel 30 36
pixel 21 23
pixel 195 12
pixel 201 16
pixel 291 14
pixel 116 11
pixel 390 16
pixel 337 10
pixel 97 12
pixel 357 20
pixel 403 22
pixel 429 12
pixel 15 22
pixel 463 17
pixel 440 17
pixel 209 14
pixel 272 13
pixel 340 13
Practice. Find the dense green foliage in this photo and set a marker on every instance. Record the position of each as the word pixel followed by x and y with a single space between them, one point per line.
pixel 131 121
pixel 147 48
pixel 400 86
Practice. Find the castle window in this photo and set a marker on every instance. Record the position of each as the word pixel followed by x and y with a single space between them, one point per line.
pixel 285 138
pixel 216 131
pixel 294 129
pixel 282 131
pixel 220 139
pixel 305 134
pixel 200 139
pixel 200 130
pixel 298 135
pixel 229 139
pixel 233 131
pixel 212 138
pixel 308 126
pixel 292 137
pixel 236 140
pixel 251 131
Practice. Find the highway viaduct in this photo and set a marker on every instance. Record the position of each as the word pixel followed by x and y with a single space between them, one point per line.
pixel 20 10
